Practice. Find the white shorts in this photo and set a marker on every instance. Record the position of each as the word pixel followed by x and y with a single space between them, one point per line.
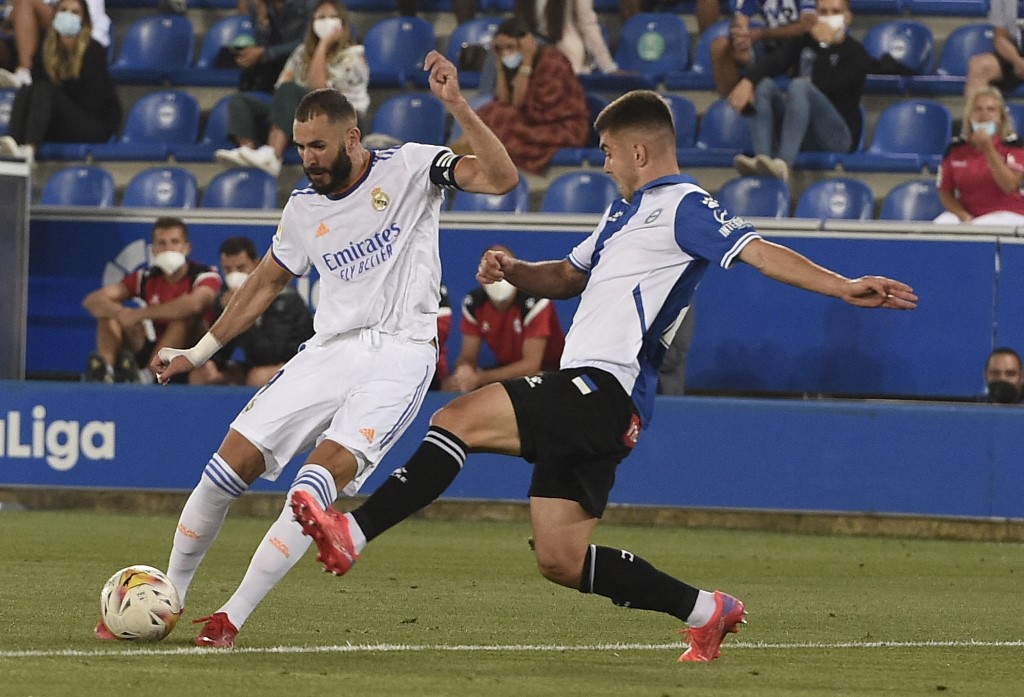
pixel 360 390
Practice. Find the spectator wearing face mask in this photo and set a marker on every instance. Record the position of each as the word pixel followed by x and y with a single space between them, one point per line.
pixel 71 97
pixel 1004 379
pixel 268 344
pixel 327 58
pixel 982 171
pixel 521 331
pixel 168 304
pixel 820 110
pixel 539 105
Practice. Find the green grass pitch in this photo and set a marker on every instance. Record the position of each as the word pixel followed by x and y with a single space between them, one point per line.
pixel 457 608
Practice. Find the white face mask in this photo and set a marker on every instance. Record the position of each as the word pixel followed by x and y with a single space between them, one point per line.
pixel 986 127
pixel 235 279
pixel 499 291
pixel 169 261
pixel 835 22
pixel 325 26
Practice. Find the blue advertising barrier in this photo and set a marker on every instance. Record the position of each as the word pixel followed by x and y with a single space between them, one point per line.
pixel 752 334
pixel 891 457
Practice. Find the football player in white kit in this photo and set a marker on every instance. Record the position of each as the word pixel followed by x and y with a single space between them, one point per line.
pixel 368 223
pixel 635 274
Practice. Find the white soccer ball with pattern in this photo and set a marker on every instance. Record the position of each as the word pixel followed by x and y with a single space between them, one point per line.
pixel 139 603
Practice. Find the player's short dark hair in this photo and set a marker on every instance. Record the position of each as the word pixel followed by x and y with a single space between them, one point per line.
pixel 1004 351
pixel 236 245
pixel 643 109
pixel 167 221
pixel 327 102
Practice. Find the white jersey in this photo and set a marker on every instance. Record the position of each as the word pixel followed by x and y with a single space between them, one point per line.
pixel 375 246
pixel 645 260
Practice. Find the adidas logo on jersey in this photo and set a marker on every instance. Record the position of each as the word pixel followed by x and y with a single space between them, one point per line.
pixel 368 434
pixel 322 230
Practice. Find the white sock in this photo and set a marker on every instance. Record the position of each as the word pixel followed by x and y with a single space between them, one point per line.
pixel 201 520
pixel 356 533
pixel 703 610
pixel 281 548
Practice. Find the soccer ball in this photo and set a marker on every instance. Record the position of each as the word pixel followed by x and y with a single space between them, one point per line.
pixel 140 603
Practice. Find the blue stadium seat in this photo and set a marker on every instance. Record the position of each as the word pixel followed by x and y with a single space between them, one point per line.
pixel 841 198
pixel 949 8
pixel 913 200
pixel 582 191
pixel 822 159
pixel 590 153
pixel 766 197
pixel 722 135
pixel 684 116
pixel 1016 110
pixel 79 186
pixel 204 73
pixel 162 187
pixel 515 201
pixel 154 49
pixel 395 49
pixel 650 45
pixel 417 117
pixel 474 32
pixel 909 135
pixel 911 43
pixel 877 7
pixel 155 122
pixel 962 43
pixel 6 102
pixel 699 76
pixel 241 187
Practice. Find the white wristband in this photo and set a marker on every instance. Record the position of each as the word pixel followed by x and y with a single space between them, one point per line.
pixel 197 355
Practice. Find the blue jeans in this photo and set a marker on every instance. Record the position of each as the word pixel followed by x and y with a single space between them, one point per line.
pixel 802 118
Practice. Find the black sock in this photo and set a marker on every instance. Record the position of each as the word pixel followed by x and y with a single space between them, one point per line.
pixel 426 475
pixel 632 582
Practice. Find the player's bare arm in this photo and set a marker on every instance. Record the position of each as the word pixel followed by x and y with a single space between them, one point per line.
pixel 787 266
pixel 546 279
pixel 249 302
pixel 489 170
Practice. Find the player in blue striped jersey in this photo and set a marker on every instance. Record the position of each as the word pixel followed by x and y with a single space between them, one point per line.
pixel 635 274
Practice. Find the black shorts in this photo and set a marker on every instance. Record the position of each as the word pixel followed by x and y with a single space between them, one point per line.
pixel 575 427
pixel 1010 81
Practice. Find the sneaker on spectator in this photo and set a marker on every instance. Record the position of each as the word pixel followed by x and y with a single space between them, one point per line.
pixel 262 158
pixel 745 165
pixel 97 370
pixel 127 368
pixel 9 147
pixel 19 78
pixel 231 157
pixel 772 167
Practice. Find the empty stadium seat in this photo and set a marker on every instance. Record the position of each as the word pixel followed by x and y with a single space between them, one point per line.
pixel 912 200
pixel 684 117
pixel 950 8
pixel 583 191
pixel 395 49
pixel 205 72
pixel 215 133
pixel 877 7
pixel 154 49
pixel 962 43
pixel 1016 110
pixel 162 187
pixel 909 135
pixel 515 201
pixel 650 46
pixel 766 197
pixel 722 134
pixel 475 32
pixel 79 186
pixel 418 117
pixel 241 187
pixel 156 121
pixel 841 198
pixel 910 43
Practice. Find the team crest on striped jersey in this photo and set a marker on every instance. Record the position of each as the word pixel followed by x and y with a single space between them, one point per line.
pixel 368 434
pixel 322 230
pixel 379 199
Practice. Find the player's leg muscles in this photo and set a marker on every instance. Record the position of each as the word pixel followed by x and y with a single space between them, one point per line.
pixel 561 534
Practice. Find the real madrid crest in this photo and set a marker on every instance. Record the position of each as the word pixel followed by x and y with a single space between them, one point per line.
pixel 379 199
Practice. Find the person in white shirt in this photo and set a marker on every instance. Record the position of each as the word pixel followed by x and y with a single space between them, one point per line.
pixel 635 276
pixel 368 223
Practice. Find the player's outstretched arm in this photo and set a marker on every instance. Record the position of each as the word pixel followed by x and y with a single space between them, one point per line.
pixel 249 302
pixel 544 279
pixel 783 264
pixel 489 170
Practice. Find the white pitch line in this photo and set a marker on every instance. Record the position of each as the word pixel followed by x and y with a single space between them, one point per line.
pixel 499 648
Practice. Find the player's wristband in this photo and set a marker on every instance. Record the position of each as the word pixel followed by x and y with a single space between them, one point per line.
pixel 198 354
